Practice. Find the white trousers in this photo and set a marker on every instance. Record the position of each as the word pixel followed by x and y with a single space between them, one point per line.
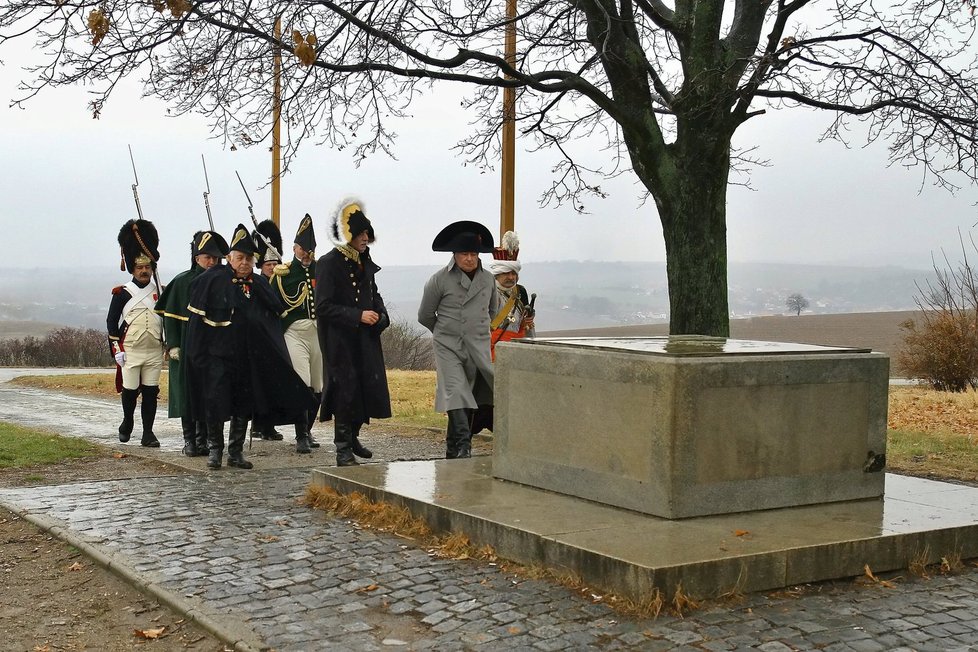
pixel 302 341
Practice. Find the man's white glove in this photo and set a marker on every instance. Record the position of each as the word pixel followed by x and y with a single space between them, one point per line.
pixel 175 353
pixel 120 358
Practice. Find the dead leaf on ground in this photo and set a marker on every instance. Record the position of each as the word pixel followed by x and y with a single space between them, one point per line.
pixel 152 633
pixel 741 533
pixel 76 566
pixel 370 587
pixel 120 456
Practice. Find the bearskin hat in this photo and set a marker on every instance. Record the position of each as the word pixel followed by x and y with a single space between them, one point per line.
pixel 139 243
pixel 273 235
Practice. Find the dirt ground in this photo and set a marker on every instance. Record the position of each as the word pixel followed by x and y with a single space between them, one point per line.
pixel 52 597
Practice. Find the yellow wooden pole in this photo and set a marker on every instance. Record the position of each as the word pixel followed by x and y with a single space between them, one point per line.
pixel 277 129
pixel 507 218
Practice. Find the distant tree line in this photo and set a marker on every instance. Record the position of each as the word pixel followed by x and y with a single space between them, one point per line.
pixel 64 347
pixel 405 347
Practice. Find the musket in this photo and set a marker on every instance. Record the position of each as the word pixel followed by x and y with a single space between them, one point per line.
pixel 139 212
pixel 207 201
pixel 254 220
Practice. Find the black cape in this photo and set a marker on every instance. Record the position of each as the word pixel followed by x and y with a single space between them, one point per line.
pixel 238 363
pixel 356 378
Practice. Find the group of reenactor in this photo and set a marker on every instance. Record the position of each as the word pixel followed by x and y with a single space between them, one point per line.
pixel 271 342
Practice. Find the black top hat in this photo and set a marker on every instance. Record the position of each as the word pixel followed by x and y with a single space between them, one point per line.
pixel 350 221
pixel 139 242
pixel 463 236
pixel 210 243
pixel 305 237
pixel 273 234
pixel 241 241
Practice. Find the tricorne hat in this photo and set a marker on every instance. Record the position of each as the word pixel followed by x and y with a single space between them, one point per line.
pixel 210 243
pixel 241 241
pixel 349 221
pixel 305 236
pixel 464 235
pixel 139 243
pixel 273 235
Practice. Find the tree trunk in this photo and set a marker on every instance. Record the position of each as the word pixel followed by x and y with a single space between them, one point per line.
pixel 694 225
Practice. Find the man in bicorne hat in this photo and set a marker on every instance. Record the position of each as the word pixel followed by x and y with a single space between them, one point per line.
pixel 206 249
pixel 239 366
pixel 295 283
pixel 136 331
pixel 515 317
pixel 352 316
pixel 268 241
pixel 458 303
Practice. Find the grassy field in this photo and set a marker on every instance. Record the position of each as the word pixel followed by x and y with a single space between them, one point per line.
pixel 21 447
pixel 929 433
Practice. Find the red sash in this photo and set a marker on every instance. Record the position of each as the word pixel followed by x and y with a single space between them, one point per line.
pixel 503 335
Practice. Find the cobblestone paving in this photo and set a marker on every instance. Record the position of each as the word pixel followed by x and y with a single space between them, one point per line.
pixel 239 543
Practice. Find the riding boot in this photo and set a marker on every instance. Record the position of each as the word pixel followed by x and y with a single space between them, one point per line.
pixel 458 438
pixel 343 438
pixel 312 419
pixel 147 412
pixel 359 449
pixel 215 444
pixel 236 438
pixel 302 435
pixel 128 413
pixel 189 429
pixel 202 437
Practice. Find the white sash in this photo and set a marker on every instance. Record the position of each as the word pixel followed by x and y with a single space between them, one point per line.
pixel 139 295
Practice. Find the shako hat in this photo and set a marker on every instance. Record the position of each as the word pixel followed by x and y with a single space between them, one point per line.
pixel 305 236
pixel 139 243
pixel 273 234
pixel 241 241
pixel 349 221
pixel 504 256
pixel 210 243
pixel 464 235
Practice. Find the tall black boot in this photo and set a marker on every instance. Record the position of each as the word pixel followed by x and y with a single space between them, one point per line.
pixel 359 449
pixel 147 411
pixel 312 419
pixel 202 437
pixel 189 429
pixel 128 413
pixel 458 438
pixel 236 438
pixel 343 438
pixel 215 444
pixel 302 445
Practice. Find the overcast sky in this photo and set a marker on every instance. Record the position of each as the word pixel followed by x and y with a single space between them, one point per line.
pixel 66 182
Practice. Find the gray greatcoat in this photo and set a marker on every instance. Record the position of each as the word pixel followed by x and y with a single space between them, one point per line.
pixel 457 310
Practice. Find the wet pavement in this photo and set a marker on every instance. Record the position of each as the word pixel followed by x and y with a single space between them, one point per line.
pixel 236 550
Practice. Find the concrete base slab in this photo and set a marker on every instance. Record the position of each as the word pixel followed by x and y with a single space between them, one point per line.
pixel 618 550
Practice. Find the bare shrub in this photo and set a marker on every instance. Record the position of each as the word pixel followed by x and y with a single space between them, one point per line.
pixel 941 348
pixel 64 347
pixel 407 347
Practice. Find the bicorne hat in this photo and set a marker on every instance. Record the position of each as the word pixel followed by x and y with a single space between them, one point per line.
pixel 210 243
pixel 241 241
pixel 349 221
pixel 463 236
pixel 139 243
pixel 273 235
pixel 305 236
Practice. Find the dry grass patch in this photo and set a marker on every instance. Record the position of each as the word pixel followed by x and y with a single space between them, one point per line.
pixel 397 520
pixel 933 434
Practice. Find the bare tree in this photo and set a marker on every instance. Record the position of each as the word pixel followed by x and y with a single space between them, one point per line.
pixel 665 83
pixel 796 303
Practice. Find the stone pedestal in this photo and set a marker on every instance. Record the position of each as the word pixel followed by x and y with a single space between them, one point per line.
pixel 691 426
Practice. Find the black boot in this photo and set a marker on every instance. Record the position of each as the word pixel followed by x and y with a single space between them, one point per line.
pixel 202 437
pixel 128 413
pixel 312 419
pixel 236 438
pixel 189 429
pixel 359 449
pixel 458 438
pixel 302 445
pixel 343 438
pixel 215 444
pixel 147 412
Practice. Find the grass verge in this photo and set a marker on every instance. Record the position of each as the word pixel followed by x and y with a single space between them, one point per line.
pixel 22 447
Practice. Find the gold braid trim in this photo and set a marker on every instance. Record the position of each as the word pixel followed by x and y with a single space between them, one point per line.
pixel 349 252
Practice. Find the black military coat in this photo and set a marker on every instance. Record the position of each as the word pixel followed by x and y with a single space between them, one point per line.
pixel 355 376
pixel 238 363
